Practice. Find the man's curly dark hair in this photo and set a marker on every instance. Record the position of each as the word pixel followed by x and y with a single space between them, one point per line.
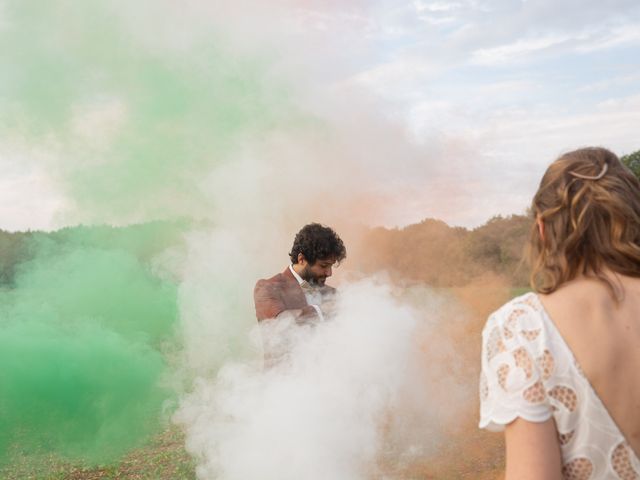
pixel 317 242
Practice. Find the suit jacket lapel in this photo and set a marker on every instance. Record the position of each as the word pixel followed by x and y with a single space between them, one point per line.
pixel 293 294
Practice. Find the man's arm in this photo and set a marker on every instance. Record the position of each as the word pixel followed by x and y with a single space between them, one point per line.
pixel 269 304
pixel 302 316
pixel 267 299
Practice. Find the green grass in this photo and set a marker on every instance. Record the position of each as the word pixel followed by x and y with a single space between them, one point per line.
pixel 476 455
pixel 163 458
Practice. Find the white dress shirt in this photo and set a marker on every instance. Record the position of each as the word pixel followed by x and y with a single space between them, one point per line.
pixel 311 293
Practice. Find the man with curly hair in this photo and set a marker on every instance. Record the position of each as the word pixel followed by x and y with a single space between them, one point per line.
pixel 300 291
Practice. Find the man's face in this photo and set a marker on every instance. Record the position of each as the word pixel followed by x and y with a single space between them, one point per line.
pixel 317 273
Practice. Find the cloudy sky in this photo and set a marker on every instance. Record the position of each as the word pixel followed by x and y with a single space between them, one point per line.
pixel 505 86
pixel 485 93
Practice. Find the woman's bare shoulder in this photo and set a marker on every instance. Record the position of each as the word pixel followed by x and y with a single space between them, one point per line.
pixel 582 293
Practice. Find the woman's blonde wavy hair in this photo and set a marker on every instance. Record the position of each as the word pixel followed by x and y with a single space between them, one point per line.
pixel 591 225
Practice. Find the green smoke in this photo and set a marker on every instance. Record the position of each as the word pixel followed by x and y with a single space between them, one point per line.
pixel 131 121
pixel 83 334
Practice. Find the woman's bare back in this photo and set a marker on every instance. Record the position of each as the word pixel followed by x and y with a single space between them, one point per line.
pixel 605 340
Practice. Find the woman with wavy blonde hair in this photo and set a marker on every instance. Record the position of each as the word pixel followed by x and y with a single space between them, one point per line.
pixel 561 366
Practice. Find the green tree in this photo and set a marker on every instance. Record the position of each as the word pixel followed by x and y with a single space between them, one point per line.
pixel 499 244
pixel 633 162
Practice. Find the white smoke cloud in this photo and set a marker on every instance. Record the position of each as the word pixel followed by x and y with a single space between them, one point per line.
pixel 357 393
pixel 354 397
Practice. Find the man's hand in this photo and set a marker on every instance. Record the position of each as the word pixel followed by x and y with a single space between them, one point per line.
pixel 330 305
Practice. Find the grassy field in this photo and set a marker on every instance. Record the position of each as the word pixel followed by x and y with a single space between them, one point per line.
pixel 164 458
pixel 473 455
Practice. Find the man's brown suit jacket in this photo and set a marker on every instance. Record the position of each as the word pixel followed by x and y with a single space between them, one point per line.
pixel 283 292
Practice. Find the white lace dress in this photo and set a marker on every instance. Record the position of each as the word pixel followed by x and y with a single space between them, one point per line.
pixel 528 371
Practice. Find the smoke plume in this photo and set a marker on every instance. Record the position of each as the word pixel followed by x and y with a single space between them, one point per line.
pixel 234 131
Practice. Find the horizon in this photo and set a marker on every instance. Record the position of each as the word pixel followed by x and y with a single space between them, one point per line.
pixel 146 222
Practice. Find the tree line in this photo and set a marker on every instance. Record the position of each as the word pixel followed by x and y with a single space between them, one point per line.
pixel 430 251
pixel 435 253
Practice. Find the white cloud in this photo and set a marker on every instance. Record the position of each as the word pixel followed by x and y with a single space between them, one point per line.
pixel 618 36
pixel 610 83
pixel 437 6
pixel 401 79
pixel 516 50
pixel 29 198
